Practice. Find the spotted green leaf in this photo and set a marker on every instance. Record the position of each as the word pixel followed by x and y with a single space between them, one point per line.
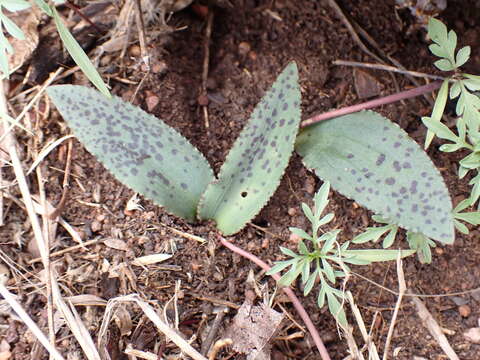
pixel 368 158
pixel 254 166
pixel 140 150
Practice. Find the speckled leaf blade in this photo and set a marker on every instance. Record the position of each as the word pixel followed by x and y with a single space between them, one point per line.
pixel 258 159
pixel 369 159
pixel 140 150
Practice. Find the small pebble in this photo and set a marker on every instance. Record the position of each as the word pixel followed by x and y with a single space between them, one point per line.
pixel 439 251
pixel 159 68
pixel 134 50
pixel 243 48
pixel 265 243
pixel 151 102
pixel 252 55
pixel 294 238
pixel 96 226
pixel 292 211
pixel 202 100
pixel 464 311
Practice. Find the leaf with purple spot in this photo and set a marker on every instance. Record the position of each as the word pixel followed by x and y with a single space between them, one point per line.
pixel 369 159
pixel 258 159
pixel 140 150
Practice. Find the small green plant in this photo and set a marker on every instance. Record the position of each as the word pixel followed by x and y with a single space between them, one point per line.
pixel 322 258
pixel 72 46
pixel 462 86
pixel 153 159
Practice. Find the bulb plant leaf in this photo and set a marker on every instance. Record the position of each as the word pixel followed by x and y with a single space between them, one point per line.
pixel 369 159
pixel 140 150
pixel 257 161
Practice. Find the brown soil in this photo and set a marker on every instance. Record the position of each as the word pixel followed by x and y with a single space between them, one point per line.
pixel 248 49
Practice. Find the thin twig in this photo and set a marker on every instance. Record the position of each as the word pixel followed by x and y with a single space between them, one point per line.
pixel 402 288
pixel 69 249
pixel 47 262
pixel 218 346
pixel 29 322
pixel 373 103
pixel 434 329
pixel 296 303
pixel 65 185
pixel 141 32
pixel 206 64
pixel 213 330
pixel 387 68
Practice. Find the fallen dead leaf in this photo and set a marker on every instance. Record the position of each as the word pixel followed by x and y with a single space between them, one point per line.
pixel 150 259
pixel 116 244
pixel 252 328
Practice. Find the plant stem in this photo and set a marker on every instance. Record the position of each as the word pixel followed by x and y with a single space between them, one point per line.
pixel 296 303
pixel 373 103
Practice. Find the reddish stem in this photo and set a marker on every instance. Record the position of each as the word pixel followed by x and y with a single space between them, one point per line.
pixel 296 303
pixel 374 103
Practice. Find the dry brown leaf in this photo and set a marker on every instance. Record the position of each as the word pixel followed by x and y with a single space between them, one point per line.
pixel 87 300
pixel 150 259
pixel 116 244
pixel 28 21
pixel 123 320
pixel 252 328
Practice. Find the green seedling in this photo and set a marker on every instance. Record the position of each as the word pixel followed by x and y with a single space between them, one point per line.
pixel 71 45
pixel 368 158
pixel 463 87
pixel 153 159
pixel 323 258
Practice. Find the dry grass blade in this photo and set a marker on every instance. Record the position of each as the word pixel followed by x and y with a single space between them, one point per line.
pixel 47 150
pixel 435 330
pixel 29 322
pixel 152 315
pixel 72 319
pixel 402 288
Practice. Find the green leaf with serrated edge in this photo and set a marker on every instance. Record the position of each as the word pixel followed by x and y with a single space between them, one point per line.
pixel 462 56
pixel 370 159
pixel 321 294
pixel 140 150
pixel 257 161
pixel 302 248
pixel 308 213
pixel 78 55
pixel 438 109
pixel 375 255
